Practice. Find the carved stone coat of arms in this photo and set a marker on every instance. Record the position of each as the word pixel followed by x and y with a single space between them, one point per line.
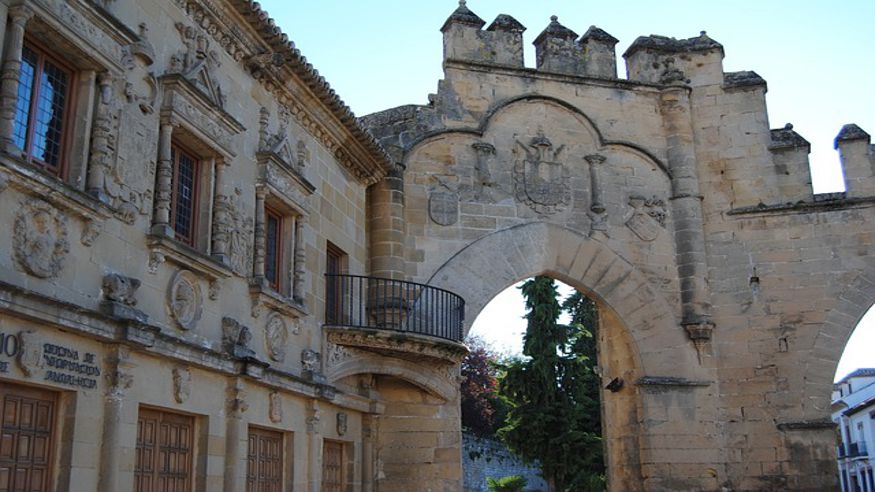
pixel 540 178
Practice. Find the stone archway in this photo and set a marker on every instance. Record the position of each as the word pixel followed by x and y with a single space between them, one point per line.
pixel 641 340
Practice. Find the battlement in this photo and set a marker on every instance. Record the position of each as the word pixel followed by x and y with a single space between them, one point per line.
pixel 857 157
pixel 663 60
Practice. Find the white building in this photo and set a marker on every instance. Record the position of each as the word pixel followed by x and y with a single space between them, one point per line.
pixel 853 409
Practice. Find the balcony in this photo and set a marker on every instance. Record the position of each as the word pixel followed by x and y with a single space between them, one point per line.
pixel 394 317
pixel 853 450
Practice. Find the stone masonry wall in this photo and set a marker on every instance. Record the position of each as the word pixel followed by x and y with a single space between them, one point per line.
pixel 486 458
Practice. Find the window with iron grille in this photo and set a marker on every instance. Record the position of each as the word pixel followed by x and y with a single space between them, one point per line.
pixel 273 258
pixel 42 109
pixel 183 208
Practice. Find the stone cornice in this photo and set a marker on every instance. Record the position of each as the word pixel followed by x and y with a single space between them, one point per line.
pixel 398 344
pixel 50 312
pixel 273 61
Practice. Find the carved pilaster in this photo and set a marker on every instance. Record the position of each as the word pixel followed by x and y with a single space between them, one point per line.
pixel 221 214
pixel 18 17
pixel 163 182
pixel 299 262
pixel 119 378
pixel 98 164
pixel 235 435
pixel 260 231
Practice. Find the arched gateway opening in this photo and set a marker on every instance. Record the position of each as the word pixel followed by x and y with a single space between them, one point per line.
pixel 639 340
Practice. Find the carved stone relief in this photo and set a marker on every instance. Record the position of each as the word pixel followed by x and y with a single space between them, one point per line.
pixel 90 230
pixel 238 229
pixel 276 335
pixel 185 299
pixel 30 355
pixel 443 207
pixel 540 177
pixel 342 423
pixel 181 384
pixel 275 407
pixel 647 217
pixel 197 62
pixel 236 338
pixel 310 360
pixel 337 354
pixel 120 289
pixel 40 238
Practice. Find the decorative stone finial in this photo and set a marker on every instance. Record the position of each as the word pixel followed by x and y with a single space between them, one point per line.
pixel 554 18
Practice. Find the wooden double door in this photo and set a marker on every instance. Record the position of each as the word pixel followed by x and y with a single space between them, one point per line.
pixel 27 438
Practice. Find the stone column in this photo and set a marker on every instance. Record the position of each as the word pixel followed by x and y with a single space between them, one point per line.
pixel 235 432
pixel 687 214
pixel 386 225
pixel 314 447
pixel 597 207
pixel 368 458
pixel 119 379
pixel 221 217
pixel 260 232
pixel 18 17
pixel 163 182
pixel 298 267
pixel 100 133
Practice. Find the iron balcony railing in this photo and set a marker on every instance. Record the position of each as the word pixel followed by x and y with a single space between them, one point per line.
pixel 370 302
pixel 853 450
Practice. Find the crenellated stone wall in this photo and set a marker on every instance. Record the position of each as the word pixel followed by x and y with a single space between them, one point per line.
pixel 730 288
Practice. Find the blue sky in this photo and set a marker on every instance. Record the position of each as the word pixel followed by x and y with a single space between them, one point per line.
pixel 816 56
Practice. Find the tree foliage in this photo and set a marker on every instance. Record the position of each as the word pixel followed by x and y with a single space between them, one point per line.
pixel 482 410
pixel 553 392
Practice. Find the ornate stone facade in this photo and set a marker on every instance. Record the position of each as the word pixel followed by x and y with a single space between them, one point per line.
pixel 210 175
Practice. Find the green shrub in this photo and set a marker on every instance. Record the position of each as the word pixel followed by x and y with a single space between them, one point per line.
pixel 513 483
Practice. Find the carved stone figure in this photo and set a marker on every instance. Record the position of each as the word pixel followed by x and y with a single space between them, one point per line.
pixel 197 62
pixel 342 424
pixel 540 178
pixel 121 289
pixel 238 229
pixel 181 384
pixel 276 335
pixel 310 362
pixel 90 230
pixel 40 238
pixel 185 299
pixel 236 338
pixel 30 355
pixel 275 407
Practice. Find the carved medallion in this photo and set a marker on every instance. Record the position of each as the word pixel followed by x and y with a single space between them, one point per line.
pixel 30 356
pixel 648 217
pixel 185 299
pixel 443 207
pixel 181 384
pixel 40 238
pixel 540 178
pixel 276 335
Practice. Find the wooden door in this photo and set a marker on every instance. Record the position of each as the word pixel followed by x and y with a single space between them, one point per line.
pixel 333 479
pixel 27 438
pixel 165 449
pixel 264 466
